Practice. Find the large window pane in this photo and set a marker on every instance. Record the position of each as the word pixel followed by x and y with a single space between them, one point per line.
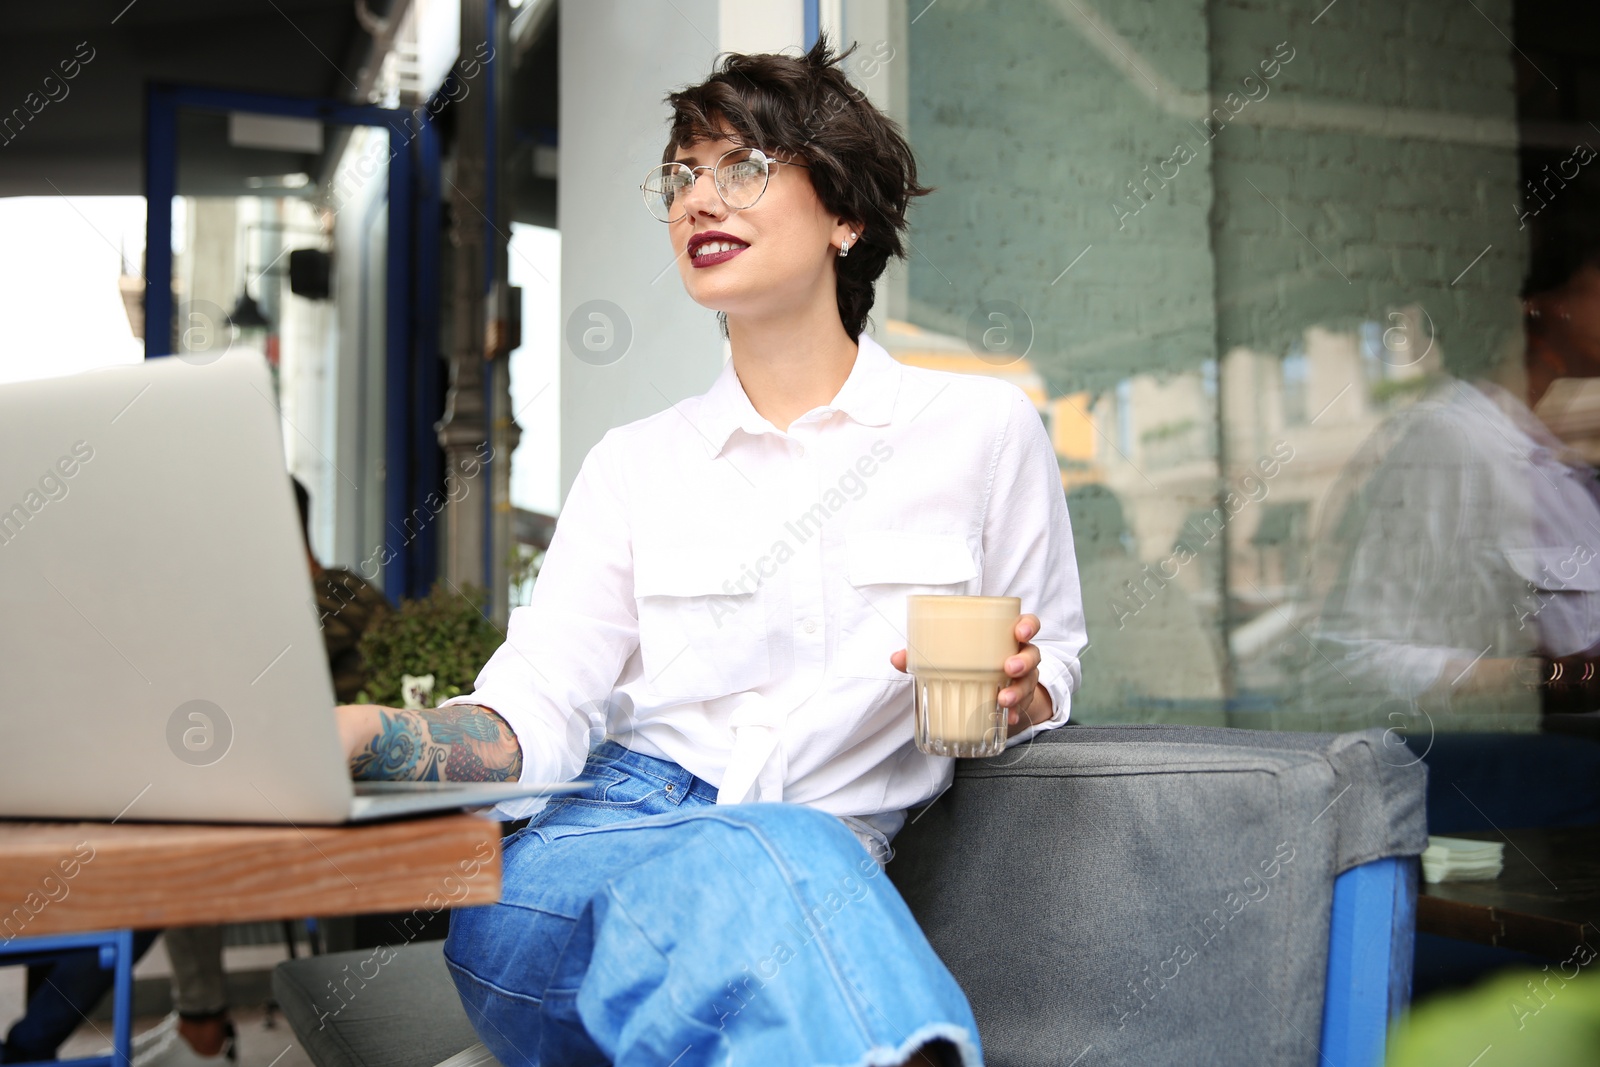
pixel 1301 297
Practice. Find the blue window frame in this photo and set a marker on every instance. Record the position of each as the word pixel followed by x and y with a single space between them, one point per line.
pixel 411 279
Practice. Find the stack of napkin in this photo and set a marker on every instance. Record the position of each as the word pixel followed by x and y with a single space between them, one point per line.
pixel 1456 859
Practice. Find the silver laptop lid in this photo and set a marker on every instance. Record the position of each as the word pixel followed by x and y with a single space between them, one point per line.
pixel 162 657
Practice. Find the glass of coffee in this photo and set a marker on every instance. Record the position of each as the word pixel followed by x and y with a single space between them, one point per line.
pixel 956 649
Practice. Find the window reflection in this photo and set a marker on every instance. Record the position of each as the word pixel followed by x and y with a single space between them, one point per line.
pixel 1309 322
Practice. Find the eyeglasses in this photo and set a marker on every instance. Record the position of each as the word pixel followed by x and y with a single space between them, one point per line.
pixel 740 176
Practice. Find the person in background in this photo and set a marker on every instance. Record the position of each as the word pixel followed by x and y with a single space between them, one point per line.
pixel 347 604
pixel 1468 577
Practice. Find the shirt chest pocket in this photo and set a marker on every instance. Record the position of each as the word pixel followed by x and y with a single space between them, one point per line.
pixel 700 635
pixel 882 569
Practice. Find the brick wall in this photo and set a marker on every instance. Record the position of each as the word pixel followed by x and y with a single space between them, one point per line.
pixel 1031 133
pixel 1365 171
pixel 1387 153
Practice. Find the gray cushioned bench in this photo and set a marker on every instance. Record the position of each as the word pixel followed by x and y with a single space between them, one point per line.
pixel 1160 894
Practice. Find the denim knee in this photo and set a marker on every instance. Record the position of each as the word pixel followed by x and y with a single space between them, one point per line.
pixel 798 826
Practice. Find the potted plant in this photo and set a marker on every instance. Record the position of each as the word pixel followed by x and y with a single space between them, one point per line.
pixel 433 647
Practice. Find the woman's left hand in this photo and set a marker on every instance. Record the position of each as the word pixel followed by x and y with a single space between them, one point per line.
pixel 1027 703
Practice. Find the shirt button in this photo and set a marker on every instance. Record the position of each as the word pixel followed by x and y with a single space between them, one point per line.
pixel 810 626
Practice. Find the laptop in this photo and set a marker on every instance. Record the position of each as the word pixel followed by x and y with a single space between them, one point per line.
pixel 161 651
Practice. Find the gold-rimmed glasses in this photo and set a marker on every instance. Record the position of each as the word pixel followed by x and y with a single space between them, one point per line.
pixel 740 176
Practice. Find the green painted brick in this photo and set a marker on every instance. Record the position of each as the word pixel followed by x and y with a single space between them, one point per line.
pixel 1027 90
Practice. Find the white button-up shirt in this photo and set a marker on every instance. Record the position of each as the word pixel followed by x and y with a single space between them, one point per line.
pixel 1477 539
pixel 726 595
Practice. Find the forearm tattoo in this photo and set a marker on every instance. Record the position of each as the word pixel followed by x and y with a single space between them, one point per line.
pixel 460 743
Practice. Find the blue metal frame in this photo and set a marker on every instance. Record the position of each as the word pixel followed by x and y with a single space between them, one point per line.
pixel 410 451
pixel 813 19
pixel 1370 945
pixel 398 364
pixel 491 189
pixel 426 464
pixel 116 953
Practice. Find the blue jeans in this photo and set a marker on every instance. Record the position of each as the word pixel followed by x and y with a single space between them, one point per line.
pixel 642 924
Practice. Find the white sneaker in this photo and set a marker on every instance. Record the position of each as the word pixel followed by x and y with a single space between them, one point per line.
pixel 171 1050
pixel 149 1038
pixel 153 1035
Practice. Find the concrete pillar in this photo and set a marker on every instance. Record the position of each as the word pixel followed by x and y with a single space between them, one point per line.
pixel 633 343
pixel 464 431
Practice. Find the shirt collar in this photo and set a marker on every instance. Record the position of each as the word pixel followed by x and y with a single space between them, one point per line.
pixel 867 396
pixel 1495 399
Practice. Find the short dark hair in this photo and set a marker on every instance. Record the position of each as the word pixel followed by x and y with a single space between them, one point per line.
pixel 860 163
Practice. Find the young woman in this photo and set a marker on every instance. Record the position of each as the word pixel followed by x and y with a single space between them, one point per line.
pixel 715 640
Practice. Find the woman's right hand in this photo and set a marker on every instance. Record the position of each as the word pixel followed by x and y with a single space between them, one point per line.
pixel 455 743
pixel 358 726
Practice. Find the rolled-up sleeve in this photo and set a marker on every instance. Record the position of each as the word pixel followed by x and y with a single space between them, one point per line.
pixel 552 677
pixel 1028 553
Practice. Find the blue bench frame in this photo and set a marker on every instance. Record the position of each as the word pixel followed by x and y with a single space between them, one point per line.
pixel 116 954
pixel 1371 939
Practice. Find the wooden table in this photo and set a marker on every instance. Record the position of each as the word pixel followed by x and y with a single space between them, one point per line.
pixel 1546 901
pixel 60 877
